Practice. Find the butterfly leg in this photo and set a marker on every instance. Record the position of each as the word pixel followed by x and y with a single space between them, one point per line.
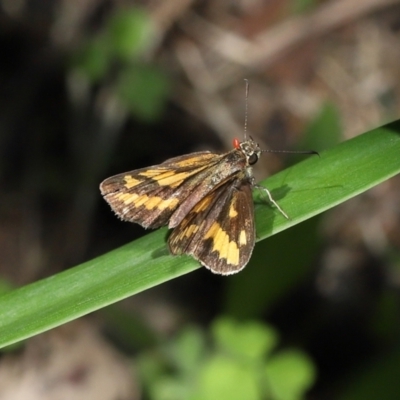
pixel 265 190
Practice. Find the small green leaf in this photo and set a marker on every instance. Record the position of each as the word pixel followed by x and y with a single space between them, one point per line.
pixel 223 378
pixel 93 59
pixel 129 32
pixel 168 388
pixel 290 374
pixel 250 339
pixel 144 90
pixel 189 348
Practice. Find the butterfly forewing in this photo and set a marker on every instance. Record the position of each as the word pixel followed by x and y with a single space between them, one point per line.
pixel 149 196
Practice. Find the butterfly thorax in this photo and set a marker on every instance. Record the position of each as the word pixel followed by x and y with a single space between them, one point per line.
pixel 251 152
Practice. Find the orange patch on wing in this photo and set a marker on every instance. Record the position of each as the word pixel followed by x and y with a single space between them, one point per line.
pixel 226 248
pixel 242 238
pixel 130 181
pixel 149 202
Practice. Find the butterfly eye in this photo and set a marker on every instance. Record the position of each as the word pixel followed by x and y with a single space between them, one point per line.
pixel 252 159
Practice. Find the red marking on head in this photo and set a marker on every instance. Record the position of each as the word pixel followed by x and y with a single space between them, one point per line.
pixel 236 143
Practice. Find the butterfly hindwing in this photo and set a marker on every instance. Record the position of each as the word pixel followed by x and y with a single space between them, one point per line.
pixel 219 230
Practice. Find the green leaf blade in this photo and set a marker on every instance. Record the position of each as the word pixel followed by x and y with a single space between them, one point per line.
pixel 303 191
pixel 320 183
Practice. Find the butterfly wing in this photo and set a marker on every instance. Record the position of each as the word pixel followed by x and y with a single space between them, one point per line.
pixel 149 196
pixel 219 231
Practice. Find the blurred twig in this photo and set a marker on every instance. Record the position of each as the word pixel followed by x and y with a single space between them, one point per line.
pixel 271 44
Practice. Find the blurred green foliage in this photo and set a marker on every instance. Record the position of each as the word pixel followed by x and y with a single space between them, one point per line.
pixel 128 33
pixel 116 57
pixel 235 360
pixel 143 89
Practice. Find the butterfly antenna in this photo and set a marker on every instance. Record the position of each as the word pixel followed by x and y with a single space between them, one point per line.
pixel 292 151
pixel 246 110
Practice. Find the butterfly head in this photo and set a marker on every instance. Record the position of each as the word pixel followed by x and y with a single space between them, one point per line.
pixel 249 148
